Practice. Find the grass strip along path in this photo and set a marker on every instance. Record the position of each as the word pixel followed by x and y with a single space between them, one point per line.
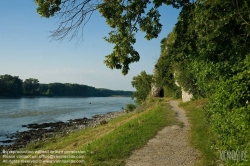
pixel 114 142
pixel 169 147
pixel 201 135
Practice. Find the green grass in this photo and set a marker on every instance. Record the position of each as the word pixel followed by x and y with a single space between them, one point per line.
pixel 114 148
pixel 114 142
pixel 201 136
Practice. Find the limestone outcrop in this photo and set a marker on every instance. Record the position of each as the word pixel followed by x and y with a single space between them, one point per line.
pixel 155 90
pixel 186 96
pixel 159 91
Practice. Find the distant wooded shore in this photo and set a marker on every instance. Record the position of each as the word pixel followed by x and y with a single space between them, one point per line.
pixel 14 87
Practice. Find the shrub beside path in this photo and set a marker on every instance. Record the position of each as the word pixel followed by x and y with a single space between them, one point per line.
pixel 170 147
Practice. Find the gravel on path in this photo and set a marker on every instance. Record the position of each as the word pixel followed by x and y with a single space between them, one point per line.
pixel 170 147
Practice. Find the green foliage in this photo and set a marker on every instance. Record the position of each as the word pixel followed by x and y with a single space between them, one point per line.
pixel 208 50
pixel 210 56
pixel 74 90
pixel 130 107
pixel 174 91
pixel 224 46
pixel 31 86
pixel 125 18
pixel 165 69
pixel 183 51
pixel 201 133
pixel 142 84
pixel 10 86
pixel 230 119
pixel 47 8
pixel 186 79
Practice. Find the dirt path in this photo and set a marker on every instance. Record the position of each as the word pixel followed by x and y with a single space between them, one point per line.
pixel 169 147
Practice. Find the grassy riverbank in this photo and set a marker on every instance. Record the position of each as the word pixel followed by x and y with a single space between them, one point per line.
pixel 112 143
pixel 201 136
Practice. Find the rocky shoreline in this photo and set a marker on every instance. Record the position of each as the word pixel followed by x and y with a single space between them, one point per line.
pixel 44 131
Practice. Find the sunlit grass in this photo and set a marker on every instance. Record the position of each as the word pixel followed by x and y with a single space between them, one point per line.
pixel 114 148
pixel 201 136
pixel 114 142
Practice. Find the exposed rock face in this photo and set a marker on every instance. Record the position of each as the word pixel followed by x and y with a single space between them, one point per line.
pixel 156 91
pixel 185 95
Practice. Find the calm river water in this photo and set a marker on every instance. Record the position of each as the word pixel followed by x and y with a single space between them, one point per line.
pixel 17 112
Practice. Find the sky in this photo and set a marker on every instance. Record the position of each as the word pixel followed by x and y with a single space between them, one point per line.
pixel 27 51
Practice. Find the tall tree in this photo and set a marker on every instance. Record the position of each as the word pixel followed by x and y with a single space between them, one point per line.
pixel 142 84
pixel 10 85
pixel 31 86
pixel 125 17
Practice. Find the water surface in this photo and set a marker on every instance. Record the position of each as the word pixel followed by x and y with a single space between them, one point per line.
pixel 17 112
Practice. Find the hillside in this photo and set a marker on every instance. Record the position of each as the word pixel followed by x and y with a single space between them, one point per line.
pixel 208 55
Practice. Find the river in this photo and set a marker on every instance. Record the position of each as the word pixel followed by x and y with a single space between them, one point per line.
pixel 17 112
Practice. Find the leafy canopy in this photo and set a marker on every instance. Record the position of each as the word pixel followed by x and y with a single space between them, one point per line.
pixel 31 86
pixel 142 84
pixel 125 17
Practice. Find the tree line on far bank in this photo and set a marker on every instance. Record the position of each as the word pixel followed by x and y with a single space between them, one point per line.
pixel 13 86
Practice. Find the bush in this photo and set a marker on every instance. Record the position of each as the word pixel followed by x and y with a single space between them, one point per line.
pixel 142 84
pixel 130 107
pixel 174 92
pixel 229 112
